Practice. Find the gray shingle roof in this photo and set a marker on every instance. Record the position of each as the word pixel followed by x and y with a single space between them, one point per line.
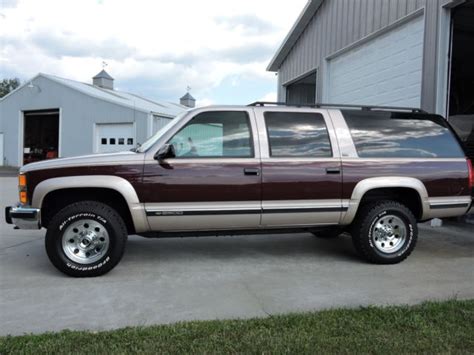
pixel 188 97
pixel 103 75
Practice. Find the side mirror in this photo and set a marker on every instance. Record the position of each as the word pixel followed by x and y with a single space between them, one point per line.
pixel 165 152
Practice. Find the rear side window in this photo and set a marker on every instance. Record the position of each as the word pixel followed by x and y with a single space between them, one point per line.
pixel 294 134
pixel 401 135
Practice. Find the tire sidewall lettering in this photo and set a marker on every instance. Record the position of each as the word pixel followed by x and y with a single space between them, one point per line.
pixel 84 215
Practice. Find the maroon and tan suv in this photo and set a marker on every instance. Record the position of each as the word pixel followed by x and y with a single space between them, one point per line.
pixel 374 172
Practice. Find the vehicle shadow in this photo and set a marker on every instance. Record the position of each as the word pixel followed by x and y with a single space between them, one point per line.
pixel 240 247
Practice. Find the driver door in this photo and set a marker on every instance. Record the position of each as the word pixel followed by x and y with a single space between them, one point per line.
pixel 213 182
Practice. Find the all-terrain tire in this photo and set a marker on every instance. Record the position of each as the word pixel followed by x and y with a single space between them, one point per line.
pixel 366 237
pixel 109 228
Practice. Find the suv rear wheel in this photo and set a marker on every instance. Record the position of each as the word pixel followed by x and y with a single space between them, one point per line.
pixel 86 239
pixel 385 232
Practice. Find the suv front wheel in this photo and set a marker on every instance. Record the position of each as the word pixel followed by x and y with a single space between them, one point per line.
pixel 384 232
pixel 86 239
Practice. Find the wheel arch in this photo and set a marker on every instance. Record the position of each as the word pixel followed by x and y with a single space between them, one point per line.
pixel 371 185
pixel 97 183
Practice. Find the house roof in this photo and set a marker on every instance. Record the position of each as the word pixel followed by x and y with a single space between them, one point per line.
pixel 103 75
pixel 303 20
pixel 122 98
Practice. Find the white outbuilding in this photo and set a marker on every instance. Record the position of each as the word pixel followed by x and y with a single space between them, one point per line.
pixel 50 117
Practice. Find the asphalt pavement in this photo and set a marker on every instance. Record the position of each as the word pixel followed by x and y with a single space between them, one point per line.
pixel 170 280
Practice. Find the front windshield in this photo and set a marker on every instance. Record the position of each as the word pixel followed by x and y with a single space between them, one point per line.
pixel 152 140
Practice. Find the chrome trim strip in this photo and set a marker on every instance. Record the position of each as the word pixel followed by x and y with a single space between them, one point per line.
pixel 175 161
pixel 206 212
pixel 448 206
pixel 402 160
pixel 444 206
pixel 213 212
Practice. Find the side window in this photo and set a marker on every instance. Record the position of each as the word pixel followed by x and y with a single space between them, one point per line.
pixel 220 134
pixel 294 134
pixel 401 135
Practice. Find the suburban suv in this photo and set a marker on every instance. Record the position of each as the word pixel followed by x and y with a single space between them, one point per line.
pixel 373 172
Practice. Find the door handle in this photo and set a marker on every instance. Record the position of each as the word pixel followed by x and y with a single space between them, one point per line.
pixel 252 171
pixel 333 171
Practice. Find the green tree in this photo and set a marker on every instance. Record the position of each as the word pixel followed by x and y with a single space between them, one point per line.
pixel 8 85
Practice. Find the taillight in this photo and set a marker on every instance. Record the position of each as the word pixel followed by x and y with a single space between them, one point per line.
pixel 22 189
pixel 471 173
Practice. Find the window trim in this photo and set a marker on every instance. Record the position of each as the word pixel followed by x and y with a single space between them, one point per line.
pixel 251 138
pixel 270 154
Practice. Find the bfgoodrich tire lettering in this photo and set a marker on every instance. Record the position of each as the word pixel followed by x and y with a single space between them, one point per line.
pixel 108 228
pixel 391 245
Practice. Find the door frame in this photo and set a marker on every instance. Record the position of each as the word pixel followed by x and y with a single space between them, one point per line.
pixel 309 212
pixel 21 132
pixel 186 216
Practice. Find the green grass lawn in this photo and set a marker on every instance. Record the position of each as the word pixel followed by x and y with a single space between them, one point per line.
pixel 445 327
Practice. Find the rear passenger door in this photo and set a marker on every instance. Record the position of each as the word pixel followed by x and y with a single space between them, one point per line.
pixel 301 168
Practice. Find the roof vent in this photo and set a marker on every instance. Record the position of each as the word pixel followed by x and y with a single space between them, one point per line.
pixel 103 80
pixel 188 100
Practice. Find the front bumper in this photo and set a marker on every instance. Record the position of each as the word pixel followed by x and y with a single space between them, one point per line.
pixel 23 217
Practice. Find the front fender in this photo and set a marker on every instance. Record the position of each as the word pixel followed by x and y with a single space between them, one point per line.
pixel 116 183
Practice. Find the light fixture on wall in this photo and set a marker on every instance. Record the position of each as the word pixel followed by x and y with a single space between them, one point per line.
pixel 31 86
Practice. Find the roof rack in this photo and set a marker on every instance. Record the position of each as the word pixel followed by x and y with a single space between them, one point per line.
pixel 320 105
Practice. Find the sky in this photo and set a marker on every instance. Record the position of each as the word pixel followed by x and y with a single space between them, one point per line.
pixel 153 48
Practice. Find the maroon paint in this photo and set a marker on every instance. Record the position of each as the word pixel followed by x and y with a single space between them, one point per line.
pixel 216 181
pixel 300 181
pixel 200 181
pixel 441 178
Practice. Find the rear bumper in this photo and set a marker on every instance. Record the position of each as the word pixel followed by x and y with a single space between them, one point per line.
pixel 23 217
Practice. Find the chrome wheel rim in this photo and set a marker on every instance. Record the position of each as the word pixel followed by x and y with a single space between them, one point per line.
pixel 389 234
pixel 85 241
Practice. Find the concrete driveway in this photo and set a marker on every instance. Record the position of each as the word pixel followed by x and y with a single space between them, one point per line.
pixel 170 280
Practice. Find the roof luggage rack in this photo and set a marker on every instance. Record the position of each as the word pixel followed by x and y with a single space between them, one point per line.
pixel 320 105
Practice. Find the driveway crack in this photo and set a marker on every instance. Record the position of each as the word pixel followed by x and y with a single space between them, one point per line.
pixel 257 298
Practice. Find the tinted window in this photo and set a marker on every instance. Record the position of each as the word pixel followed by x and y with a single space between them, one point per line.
pixel 293 134
pixel 401 135
pixel 214 135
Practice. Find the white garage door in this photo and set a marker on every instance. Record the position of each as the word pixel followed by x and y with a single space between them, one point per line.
pixel 387 70
pixel 114 137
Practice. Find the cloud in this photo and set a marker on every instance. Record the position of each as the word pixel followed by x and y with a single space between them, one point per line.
pixel 152 48
pixel 65 44
pixel 249 24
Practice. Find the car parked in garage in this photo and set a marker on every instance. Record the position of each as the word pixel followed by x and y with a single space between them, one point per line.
pixel 373 171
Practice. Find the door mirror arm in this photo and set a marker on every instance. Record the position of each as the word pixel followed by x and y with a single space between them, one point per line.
pixel 165 152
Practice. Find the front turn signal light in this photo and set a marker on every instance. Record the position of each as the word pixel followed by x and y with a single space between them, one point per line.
pixel 22 189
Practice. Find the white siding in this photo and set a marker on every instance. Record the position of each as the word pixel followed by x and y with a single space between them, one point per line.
pixel 387 70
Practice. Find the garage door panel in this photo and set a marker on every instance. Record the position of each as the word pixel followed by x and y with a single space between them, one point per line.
pixel 115 137
pixel 384 71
